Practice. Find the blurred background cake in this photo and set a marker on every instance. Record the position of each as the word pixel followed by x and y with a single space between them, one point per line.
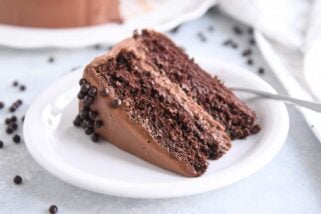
pixel 58 13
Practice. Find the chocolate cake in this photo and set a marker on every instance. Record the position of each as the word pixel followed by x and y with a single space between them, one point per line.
pixel 148 98
pixel 58 13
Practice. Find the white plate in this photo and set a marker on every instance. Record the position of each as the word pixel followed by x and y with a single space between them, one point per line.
pixel 67 153
pixel 291 70
pixel 161 15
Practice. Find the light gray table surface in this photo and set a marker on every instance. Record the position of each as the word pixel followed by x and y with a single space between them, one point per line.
pixel 290 183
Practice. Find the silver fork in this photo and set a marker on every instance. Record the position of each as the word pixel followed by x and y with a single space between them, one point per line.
pixel 306 104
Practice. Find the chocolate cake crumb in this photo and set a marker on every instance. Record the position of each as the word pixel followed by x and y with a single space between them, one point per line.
pixel 53 209
pixel 135 34
pixel 51 59
pixel 16 138
pixel 261 71
pixel 1 144
pixel 116 103
pixel 17 179
pixel 105 92
pixel 237 30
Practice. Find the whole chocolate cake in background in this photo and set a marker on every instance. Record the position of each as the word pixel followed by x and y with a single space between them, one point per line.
pixel 58 13
pixel 148 98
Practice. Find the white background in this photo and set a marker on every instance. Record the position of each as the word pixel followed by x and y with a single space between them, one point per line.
pixel 291 183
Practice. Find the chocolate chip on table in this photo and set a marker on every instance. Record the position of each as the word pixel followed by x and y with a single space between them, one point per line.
pixel 249 62
pixel 15 83
pixel 1 144
pixel 53 209
pixel 22 87
pixel 237 30
pixel 116 103
pixel 105 92
pixel 252 41
pixel 261 71
pixel 16 138
pixel 51 59
pixel 201 36
pixel 17 179
pixel 9 130
pixel 1 105
pixel 247 52
pixel 95 137
pixel 210 28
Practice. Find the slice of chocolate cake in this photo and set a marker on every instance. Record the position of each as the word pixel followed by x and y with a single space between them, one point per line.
pixel 148 98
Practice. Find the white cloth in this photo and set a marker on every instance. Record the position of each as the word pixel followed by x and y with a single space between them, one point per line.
pixel 291 44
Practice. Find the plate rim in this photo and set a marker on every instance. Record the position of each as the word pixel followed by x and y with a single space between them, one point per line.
pixel 147 190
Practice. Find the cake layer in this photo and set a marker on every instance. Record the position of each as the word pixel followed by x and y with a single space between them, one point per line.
pixel 209 92
pixel 58 13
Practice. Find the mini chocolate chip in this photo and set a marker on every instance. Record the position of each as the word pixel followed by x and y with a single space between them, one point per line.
pixel 228 42
pixel 53 209
pixel 9 130
pixel 116 103
pixel 247 52
pixel 13 118
pixel 98 124
pixel 19 102
pixel 261 71
pixel 234 45
pixel 7 121
pixel 12 109
pixel 17 179
pixel 1 144
pixel 252 41
pixel 89 130
pixel 88 100
pixel 1 105
pixel 85 87
pixel 105 92
pixel 15 83
pixel 92 91
pixel 249 62
pixel 237 30
pixel 201 36
pixel 77 121
pixel 92 114
pixel 23 118
pixel 16 138
pixel 88 123
pixel 51 59
pixel 82 81
pixel 81 95
pixel 22 87
pixel 95 137
pixel 13 126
